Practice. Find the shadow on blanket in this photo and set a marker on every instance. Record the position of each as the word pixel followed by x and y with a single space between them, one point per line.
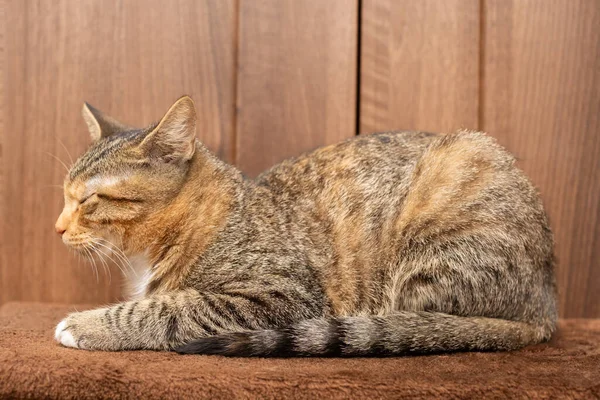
pixel 32 365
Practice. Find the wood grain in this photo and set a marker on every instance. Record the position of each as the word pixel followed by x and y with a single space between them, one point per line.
pixel 542 100
pixel 296 78
pixel 5 272
pixel 419 65
pixel 131 59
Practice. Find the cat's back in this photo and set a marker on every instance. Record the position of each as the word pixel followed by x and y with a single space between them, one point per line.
pixel 369 159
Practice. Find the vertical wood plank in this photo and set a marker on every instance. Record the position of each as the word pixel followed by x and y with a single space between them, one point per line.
pixel 542 100
pixel 131 59
pixel 419 65
pixel 296 78
pixel 5 273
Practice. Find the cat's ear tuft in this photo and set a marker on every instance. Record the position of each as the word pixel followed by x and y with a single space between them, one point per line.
pixel 100 125
pixel 174 137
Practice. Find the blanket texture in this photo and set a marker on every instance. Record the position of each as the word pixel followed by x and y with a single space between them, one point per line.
pixel 32 365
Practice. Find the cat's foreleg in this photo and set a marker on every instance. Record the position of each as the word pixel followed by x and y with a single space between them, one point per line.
pixel 158 322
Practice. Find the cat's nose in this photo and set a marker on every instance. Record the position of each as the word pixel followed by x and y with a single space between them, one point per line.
pixel 61 223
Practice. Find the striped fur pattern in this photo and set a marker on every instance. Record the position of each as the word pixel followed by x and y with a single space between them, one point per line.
pixel 385 244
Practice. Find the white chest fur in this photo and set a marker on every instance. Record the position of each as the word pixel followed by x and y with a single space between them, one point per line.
pixel 138 276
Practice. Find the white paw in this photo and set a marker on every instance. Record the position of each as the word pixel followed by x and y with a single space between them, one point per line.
pixel 63 336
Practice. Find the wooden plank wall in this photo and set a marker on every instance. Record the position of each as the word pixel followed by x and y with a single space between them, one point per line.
pixel 273 78
pixel 527 72
pixel 419 65
pixel 296 78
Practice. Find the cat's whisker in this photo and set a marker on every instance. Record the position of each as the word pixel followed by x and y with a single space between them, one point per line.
pixel 67 150
pixel 71 251
pixel 79 257
pixel 95 267
pixel 106 268
pixel 120 249
pixel 59 160
pixel 118 253
pixel 107 255
pixel 99 254
pixel 90 258
pixel 87 257
pixel 96 270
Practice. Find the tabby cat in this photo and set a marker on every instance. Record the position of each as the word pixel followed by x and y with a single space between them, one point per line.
pixel 384 244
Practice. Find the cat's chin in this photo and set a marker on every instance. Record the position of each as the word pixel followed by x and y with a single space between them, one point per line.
pixel 80 248
pixel 97 245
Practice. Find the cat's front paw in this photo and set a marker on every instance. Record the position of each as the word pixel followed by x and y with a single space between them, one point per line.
pixel 85 330
pixel 64 336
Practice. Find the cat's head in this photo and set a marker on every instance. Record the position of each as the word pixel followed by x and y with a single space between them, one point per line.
pixel 114 191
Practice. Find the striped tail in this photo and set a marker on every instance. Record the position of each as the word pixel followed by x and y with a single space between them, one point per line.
pixel 395 334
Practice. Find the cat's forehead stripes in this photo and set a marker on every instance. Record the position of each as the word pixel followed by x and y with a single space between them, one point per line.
pixel 99 181
pixel 96 158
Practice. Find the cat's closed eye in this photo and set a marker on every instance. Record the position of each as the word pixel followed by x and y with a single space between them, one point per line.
pixel 118 198
pixel 107 197
pixel 89 197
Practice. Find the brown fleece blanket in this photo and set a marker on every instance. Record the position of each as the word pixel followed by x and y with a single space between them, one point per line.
pixel 32 365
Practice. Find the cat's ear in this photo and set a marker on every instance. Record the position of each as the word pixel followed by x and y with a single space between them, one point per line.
pixel 174 137
pixel 100 125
